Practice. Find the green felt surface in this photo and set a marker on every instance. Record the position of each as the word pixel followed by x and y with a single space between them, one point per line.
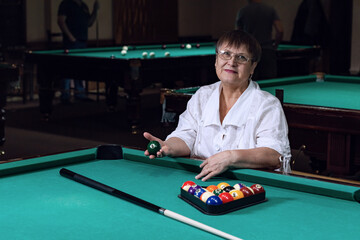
pixel 334 91
pixel 282 47
pixel 41 204
pixel 137 51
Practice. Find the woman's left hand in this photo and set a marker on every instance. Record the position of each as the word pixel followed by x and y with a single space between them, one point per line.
pixel 215 165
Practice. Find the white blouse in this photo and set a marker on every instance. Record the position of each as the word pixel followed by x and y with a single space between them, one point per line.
pixel 256 120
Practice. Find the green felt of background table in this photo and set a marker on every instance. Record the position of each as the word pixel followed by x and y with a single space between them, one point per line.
pixel 174 49
pixel 334 91
pixel 40 204
pixel 136 51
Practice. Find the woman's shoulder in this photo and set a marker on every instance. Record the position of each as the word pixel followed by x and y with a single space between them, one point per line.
pixel 264 96
pixel 208 89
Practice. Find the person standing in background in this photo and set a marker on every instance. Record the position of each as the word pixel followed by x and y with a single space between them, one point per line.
pixel 258 19
pixel 74 19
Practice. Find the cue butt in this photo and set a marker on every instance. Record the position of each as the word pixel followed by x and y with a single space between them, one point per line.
pixel 199 225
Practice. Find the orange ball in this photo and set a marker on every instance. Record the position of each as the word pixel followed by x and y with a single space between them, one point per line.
pixel 211 188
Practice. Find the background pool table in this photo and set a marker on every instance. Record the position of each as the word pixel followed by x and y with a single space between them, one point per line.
pixel 8 73
pixel 38 203
pixel 134 72
pixel 323 113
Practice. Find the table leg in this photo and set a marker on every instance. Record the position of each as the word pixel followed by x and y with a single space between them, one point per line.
pixel 133 87
pixel 46 91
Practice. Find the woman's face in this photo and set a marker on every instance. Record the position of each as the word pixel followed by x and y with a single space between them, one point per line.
pixel 233 65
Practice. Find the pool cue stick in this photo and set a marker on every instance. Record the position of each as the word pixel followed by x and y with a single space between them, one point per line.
pixel 140 202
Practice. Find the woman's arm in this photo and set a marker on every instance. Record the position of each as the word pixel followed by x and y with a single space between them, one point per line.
pixel 261 157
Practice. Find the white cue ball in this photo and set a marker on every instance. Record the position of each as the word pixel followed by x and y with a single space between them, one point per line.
pixel 123 52
pixel 152 54
pixel 188 46
pixel 167 54
pixel 144 54
pixel 125 48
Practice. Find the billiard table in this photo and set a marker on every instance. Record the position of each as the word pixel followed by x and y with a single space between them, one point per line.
pixel 8 73
pixel 38 203
pixel 133 72
pixel 323 114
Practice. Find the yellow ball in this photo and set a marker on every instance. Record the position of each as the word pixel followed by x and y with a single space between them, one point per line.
pixel 236 194
pixel 222 185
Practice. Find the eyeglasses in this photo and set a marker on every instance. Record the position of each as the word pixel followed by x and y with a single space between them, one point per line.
pixel 238 58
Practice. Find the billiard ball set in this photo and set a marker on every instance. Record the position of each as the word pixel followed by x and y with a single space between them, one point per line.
pixel 151 54
pixel 221 198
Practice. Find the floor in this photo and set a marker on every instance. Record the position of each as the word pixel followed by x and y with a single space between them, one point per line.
pixel 80 125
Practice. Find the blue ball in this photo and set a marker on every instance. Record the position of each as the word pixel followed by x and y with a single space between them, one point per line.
pixel 192 189
pixel 214 200
pixel 199 192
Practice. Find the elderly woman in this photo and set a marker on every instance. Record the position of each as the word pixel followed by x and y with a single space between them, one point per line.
pixel 231 123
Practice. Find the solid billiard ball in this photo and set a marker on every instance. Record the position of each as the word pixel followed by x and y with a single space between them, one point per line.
pixel 198 45
pixel 226 197
pixel 123 52
pixel 218 191
pixel 151 54
pixel 186 185
pixel 144 54
pixel 204 197
pixel 199 192
pixel 153 147
pixel 188 46
pixel 214 200
pixel 193 189
pixel 246 191
pixel 182 46
pixel 237 194
pixel 222 185
pixel 238 186
pixel 66 51
pixel 167 54
pixel 257 188
pixel 163 46
pixel 228 188
pixel 211 188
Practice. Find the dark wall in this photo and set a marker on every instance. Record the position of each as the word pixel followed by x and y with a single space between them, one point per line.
pixel 12 23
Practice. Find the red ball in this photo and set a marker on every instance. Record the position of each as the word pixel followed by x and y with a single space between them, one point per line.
pixel 257 188
pixel 182 46
pixel 197 45
pixel 66 51
pixel 246 191
pixel 226 197
pixel 188 183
